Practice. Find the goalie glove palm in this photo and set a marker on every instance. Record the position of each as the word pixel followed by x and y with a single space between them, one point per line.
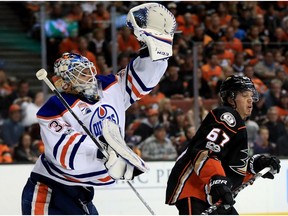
pixel 153 25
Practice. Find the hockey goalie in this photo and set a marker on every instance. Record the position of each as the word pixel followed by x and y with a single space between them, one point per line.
pixel 63 178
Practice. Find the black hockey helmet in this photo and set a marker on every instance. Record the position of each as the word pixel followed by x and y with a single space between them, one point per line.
pixel 234 84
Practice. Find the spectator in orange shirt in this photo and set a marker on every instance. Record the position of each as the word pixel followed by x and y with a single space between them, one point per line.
pixel 179 18
pixel 5 88
pixel 127 41
pixel 75 14
pixel 83 50
pixel 188 27
pixel 101 16
pixel 200 36
pixel 154 97
pixel 5 153
pixel 226 57
pixel 231 42
pixel 253 55
pixel 258 83
pixel 282 107
pixel 225 18
pixel 214 29
pixel 70 43
pixel 212 72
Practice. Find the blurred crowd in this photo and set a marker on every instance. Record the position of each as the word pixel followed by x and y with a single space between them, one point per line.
pixel 245 38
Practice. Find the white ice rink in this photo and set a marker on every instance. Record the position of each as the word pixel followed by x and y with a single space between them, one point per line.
pixel 263 197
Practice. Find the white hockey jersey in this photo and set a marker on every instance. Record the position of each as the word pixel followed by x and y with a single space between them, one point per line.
pixel 70 155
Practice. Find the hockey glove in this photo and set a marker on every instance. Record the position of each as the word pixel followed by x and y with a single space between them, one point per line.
pixel 154 26
pixel 259 162
pixel 220 189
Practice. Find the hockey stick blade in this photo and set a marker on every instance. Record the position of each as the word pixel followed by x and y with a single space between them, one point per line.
pixel 114 139
pixel 216 205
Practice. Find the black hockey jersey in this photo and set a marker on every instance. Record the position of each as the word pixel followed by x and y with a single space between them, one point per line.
pixel 218 148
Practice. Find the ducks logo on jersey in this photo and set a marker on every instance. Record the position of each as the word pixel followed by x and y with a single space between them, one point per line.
pixel 229 119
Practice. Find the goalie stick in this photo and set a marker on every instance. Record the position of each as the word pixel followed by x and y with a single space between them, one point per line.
pixel 215 206
pixel 137 162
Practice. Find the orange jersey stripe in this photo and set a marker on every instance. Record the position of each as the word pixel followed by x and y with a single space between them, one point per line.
pixel 182 177
pixel 65 149
pixel 134 89
pixel 106 179
pixel 41 199
pixel 72 179
pixel 189 206
pixel 240 128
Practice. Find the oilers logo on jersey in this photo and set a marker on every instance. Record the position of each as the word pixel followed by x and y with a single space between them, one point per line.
pixel 102 112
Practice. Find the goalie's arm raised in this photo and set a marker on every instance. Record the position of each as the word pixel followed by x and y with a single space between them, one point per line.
pixel 140 77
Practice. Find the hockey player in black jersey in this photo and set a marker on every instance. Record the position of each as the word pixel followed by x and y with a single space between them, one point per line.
pixel 216 160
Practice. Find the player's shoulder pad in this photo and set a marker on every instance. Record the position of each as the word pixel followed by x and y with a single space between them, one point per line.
pixel 228 116
pixel 53 107
pixel 106 80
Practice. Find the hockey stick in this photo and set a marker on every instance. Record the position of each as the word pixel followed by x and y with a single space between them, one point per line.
pixel 42 75
pixel 215 206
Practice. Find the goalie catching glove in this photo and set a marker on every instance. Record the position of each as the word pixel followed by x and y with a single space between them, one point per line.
pixel 259 162
pixel 154 26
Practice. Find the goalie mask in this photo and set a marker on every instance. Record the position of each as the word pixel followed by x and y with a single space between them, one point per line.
pixel 75 74
pixel 236 84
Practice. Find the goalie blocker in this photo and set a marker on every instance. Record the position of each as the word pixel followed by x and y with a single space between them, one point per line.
pixel 114 140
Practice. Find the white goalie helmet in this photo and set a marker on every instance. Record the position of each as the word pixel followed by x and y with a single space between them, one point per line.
pixel 77 75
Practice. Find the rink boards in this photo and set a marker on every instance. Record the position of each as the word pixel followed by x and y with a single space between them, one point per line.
pixel 263 197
